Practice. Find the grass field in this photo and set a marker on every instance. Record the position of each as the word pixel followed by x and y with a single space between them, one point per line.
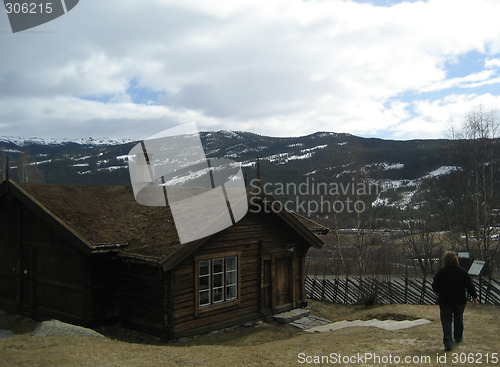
pixel 278 345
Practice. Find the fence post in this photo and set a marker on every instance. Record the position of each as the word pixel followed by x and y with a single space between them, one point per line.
pixel 480 288
pixel 335 289
pixel 323 285
pixel 313 287
pixel 406 284
pixel 346 289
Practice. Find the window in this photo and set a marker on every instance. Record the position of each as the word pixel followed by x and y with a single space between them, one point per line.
pixel 217 280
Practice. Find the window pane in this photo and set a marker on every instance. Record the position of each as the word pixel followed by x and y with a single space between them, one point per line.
pixel 231 278
pixel 217 266
pixel 204 298
pixel 231 263
pixel 218 280
pixel 204 267
pixel 218 295
pixel 204 283
pixel 231 292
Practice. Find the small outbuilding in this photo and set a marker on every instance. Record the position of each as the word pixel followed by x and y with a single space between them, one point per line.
pixel 92 255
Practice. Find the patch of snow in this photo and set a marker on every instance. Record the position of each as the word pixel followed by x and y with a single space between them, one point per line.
pixel 212 152
pixel 82 158
pixel 260 147
pixel 397 184
pixel 40 162
pixel 405 200
pixel 11 151
pixel 244 151
pixel 80 165
pixel 384 166
pixel 297 157
pixel 314 148
pixel 56 327
pixel 248 164
pixel 387 166
pixel 443 170
pixel 380 202
pixel 229 133
pixel 111 168
pixel 185 178
pixel 5 334
pixel 323 135
pixel 276 157
pixel 21 141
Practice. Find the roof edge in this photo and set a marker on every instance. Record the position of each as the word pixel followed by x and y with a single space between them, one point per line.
pixel 289 218
pixel 319 230
pixel 174 258
pixel 29 200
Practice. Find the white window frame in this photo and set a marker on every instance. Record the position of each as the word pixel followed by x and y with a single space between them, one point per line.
pixel 218 267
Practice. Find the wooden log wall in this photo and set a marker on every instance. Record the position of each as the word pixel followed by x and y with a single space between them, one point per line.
pixel 46 274
pixel 141 297
pixel 8 254
pixel 254 237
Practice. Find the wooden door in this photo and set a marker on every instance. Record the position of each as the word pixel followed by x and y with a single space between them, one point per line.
pixel 283 285
pixel 267 294
pixel 26 278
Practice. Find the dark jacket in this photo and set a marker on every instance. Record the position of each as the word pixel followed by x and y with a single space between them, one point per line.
pixel 450 283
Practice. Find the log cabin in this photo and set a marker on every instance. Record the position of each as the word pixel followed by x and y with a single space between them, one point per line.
pixel 93 255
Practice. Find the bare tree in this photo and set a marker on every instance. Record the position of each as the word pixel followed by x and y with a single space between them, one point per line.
pixel 420 240
pixel 28 170
pixel 476 188
pixel 363 218
pixel 338 265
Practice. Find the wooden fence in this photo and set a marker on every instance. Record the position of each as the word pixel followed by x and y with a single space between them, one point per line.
pixel 353 290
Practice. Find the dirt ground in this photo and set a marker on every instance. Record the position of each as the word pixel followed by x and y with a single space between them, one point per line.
pixel 274 345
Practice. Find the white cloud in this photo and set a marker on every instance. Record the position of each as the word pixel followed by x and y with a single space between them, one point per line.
pixel 473 80
pixel 492 63
pixel 74 117
pixel 276 67
pixel 435 118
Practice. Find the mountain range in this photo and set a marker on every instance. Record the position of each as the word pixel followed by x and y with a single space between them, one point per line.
pixel 396 167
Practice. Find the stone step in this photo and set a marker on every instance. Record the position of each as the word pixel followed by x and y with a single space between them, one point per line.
pixel 310 322
pixel 292 315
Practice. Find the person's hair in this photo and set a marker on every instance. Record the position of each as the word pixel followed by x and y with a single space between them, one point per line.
pixel 450 258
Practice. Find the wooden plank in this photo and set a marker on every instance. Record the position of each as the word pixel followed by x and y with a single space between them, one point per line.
pixel 225 315
pixel 215 326
pixel 273 284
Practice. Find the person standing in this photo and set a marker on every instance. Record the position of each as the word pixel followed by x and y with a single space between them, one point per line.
pixel 450 284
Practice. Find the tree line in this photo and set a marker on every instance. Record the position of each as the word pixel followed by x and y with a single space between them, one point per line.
pixel 458 211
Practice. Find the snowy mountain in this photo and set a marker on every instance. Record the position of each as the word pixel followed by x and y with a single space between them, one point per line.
pixel 20 141
pixel 397 167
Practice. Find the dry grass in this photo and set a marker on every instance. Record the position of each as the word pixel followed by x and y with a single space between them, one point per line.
pixel 276 345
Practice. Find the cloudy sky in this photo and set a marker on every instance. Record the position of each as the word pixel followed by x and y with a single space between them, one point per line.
pixel 131 68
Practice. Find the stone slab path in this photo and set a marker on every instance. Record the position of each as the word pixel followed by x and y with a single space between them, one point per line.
pixel 309 322
pixel 382 324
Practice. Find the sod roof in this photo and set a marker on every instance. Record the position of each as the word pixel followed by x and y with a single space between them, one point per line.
pixel 110 215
